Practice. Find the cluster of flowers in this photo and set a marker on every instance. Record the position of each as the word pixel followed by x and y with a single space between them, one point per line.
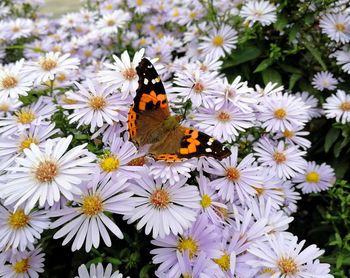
pixel 206 217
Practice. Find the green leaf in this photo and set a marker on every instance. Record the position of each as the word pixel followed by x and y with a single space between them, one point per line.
pixel 293 32
pixel 280 23
pixel 290 69
pixel 293 79
pixel 339 261
pixel 242 55
pixel 331 137
pixel 315 53
pixel 271 75
pixel 337 149
pixel 264 65
pixel 144 273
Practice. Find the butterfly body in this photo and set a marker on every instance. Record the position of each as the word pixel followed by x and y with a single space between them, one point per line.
pixel 150 122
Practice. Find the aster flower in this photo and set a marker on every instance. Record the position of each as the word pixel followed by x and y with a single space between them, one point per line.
pixel 270 89
pixel 122 73
pixel 24 264
pixel 163 208
pixel 324 80
pixel 223 121
pixel 86 220
pixel 18 28
pixel 291 196
pixel 48 66
pixel 283 160
pixel 20 230
pixel 282 111
pixel 233 177
pixel 343 59
pixel 94 105
pixel 111 21
pixel 44 175
pixel 282 255
pixel 295 137
pixel 13 82
pixel 97 272
pixel 201 266
pixel 316 178
pixel 312 103
pixel 219 41
pixel 259 11
pixel 338 106
pixel 336 26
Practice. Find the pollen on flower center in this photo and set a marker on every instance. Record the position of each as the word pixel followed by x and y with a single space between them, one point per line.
pixel 18 219
pixel 188 243
pixel 280 113
pixel 46 171
pixel 222 212
pixel 129 74
pixel 232 174
pixel 22 266
pixel 87 53
pixel 279 157
pixel 97 103
pixel 223 117
pixel 312 177
pixel 340 27
pixel 110 163
pixel 110 22
pixel 345 106
pixel 160 199
pixel 259 191
pixel 15 29
pixel 206 201
pixel 61 77
pixel 69 100
pixel 198 87
pixel 25 144
pixel 48 64
pixel 288 134
pixel 25 116
pixel 4 107
pixel 223 262
pixel 139 2
pixel 287 266
pixel 9 82
pixel 92 205
pixel 267 270
pixel 218 40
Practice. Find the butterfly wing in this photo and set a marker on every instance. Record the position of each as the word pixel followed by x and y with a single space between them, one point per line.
pixel 150 106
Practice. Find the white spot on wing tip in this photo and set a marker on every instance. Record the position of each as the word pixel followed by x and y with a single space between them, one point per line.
pixel 208 150
pixel 145 81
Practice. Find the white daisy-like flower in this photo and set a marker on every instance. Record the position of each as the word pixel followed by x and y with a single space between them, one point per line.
pixel 27 264
pixel 313 110
pixel 263 12
pixel 316 178
pixel 13 82
pixel 122 73
pixel 48 66
pixel 164 208
pixel 343 59
pixel 324 80
pixel 86 220
pixel 111 21
pixel 44 175
pixel 7 106
pixel 97 272
pixel 291 197
pixel 338 106
pixel 295 137
pixel 95 105
pixel 18 28
pixel 269 89
pixel 282 111
pixel 219 41
pixel 336 26
pixel 281 256
pixel 233 177
pixel 20 230
pixel 283 160
pixel 224 122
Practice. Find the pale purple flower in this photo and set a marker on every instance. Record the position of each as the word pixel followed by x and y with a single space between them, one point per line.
pixel 336 26
pixel 260 11
pixel 338 106
pixel 97 272
pixel 324 80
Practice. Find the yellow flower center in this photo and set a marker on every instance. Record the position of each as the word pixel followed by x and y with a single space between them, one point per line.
pixel 61 77
pixel 110 22
pixel 312 177
pixel 259 191
pixel 18 219
pixel 69 100
pixel 193 14
pixel 223 262
pixel 232 174
pixel 206 201
pixel 160 199
pixel 110 163
pixel 46 171
pixel 345 106
pixel 218 40
pixel 129 74
pixel 223 117
pixel 175 12
pixel 56 48
pixel 25 116
pixel 142 41
pixel 139 2
pixel 109 7
pixel 287 266
pixel 267 270
pixel 186 275
pixel 87 53
pixel 279 157
pixel 222 212
pixel 280 113
pixel 21 267
pixel 9 82
pixel 340 27
pixel 198 87
pixel 4 107
pixel 25 144
pixel 288 134
pixel 48 64
pixel 15 29
pixel 92 205
pixel 97 103
pixel 188 243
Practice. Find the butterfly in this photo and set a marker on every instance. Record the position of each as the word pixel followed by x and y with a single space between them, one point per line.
pixel 150 122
